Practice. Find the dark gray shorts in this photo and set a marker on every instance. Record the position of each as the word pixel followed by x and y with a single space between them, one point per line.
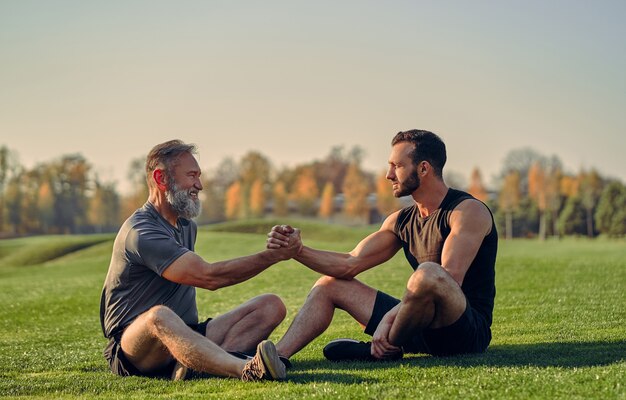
pixel 120 365
pixel 469 334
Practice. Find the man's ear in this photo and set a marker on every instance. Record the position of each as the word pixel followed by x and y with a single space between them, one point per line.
pixel 423 168
pixel 159 179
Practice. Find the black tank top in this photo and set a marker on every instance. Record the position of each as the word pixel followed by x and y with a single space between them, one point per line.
pixel 423 239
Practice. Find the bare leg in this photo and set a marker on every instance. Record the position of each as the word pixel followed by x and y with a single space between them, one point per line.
pixel 432 299
pixel 317 312
pixel 159 334
pixel 244 327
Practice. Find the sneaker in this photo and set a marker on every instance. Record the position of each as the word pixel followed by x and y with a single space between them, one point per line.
pixel 180 372
pixel 246 356
pixel 265 365
pixel 353 350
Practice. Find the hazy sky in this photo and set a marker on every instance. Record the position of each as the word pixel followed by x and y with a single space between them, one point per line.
pixel 291 79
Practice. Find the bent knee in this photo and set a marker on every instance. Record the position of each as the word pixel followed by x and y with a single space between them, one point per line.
pixel 325 286
pixel 427 278
pixel 158 316
pixel 274 307
pixel 324 281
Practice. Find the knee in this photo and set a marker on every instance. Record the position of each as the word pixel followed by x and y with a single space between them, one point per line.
pixel 274 308
pixel 324 286
pixel 325 283
pixel 426 279
pixel 159 316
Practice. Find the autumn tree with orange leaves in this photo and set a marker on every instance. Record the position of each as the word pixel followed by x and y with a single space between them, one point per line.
pixel 509 200
pixel 257 198
pixel 233 201
pixel 305 192
pixel 327 202
pixel 280 197
pixel 356 187
pixel 386 202
pixel 476 187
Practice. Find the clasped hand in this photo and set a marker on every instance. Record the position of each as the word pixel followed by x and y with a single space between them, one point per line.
pixel 285 239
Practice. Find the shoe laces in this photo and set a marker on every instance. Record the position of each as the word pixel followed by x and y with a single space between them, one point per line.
pixel 254 370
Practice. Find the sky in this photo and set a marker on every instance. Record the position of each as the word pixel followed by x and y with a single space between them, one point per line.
pixel 292 79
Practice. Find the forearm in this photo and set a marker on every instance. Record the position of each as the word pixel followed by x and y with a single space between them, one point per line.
pixel 230 272
pixel 329 263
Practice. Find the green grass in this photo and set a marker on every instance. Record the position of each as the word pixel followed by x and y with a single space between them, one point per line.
pixel 559 324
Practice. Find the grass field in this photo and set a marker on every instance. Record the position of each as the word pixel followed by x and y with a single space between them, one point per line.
pixel 559 324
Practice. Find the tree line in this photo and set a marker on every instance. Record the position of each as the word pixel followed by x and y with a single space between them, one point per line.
pixel 534 196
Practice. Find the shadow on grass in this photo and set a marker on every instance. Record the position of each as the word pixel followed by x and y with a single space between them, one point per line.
pixel 560 354
pixel 541 355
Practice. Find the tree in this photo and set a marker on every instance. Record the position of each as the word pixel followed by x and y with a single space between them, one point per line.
pixel 386 202
pixel 215 184
pixel 553 196
pixel 327 203
pixel 254 166
pixel 305 192
pixel 4 174
pixel 13 202
pixel 9 167
pixel 572 218
pixel 281 207
pixel 590 187
pixel 104 207
pixel 569 186
pixel 521 160
pixel 257 198
pixel 138 194
pixel 509 200
pixel 233 201
pixel 70 183
pixel 334 167
pixel 356 187
pixel 537 182
pixel 45 206
pixel 213 202
pixel 611 212
pixel 31 181
pixel 476 187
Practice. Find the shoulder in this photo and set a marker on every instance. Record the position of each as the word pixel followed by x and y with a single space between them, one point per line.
pixel 474 212
pixel 394 220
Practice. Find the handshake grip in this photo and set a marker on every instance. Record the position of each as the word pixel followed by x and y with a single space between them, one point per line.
pixel 285 238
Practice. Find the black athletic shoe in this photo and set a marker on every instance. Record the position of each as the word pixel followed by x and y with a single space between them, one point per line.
pixel 353 350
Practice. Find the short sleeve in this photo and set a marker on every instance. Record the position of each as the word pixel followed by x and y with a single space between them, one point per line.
pixel 152 246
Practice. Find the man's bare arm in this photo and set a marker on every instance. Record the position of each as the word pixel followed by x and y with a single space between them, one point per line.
pixel 470 222
pixel 375 249
pixel 190 269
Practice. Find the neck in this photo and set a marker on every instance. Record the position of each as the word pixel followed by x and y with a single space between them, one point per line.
pixel 429 196
pixel 160 204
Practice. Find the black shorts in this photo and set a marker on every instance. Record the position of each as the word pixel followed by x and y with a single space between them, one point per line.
pixel 120 365
pixel 469 334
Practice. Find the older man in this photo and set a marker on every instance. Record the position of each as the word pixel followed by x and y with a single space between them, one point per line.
pixel 148 305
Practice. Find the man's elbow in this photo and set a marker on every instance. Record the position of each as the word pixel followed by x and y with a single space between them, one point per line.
pixel 346 272
pixel 211 282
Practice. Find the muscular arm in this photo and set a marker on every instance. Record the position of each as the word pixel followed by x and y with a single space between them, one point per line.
pixel 375 249
pixel 470 222
pixel 190 269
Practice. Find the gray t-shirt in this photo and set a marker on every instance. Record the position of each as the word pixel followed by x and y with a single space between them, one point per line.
pixel 144 247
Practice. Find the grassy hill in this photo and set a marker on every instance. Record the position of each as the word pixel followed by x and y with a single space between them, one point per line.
pixel 558 328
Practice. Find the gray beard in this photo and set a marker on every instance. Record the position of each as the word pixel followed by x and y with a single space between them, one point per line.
pixel 182 203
